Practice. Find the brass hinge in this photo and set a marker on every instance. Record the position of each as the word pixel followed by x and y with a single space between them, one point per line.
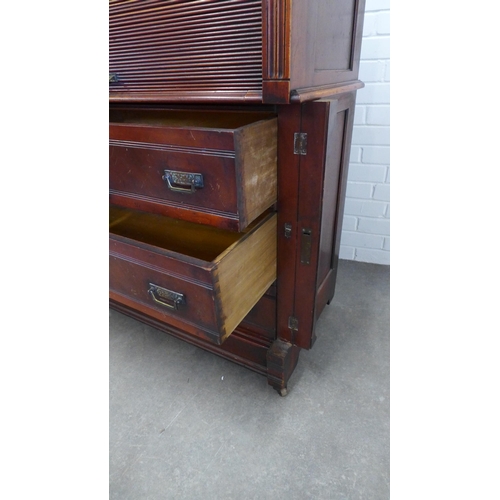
pixel 293 323
pixel 300 143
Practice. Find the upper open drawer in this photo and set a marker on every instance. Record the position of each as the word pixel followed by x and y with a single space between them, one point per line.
pixel 211 167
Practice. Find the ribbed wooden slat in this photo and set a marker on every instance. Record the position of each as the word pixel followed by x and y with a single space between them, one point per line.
pixel 173 27
pixel 196 55
pixel 175 6
pixel 156 20
pixel 185 45
pixel 242 33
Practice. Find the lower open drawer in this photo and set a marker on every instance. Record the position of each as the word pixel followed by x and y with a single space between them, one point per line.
pixel 201 279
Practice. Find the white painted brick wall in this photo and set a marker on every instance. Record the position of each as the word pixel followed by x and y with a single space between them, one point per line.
pixel 366 224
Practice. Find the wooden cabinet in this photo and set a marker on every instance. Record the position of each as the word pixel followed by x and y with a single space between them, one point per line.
pixel 230 131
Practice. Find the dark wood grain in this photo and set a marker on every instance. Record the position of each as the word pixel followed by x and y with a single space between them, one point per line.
pixel 309 215
pixel 241 347
pixel 289 122
pixel 325 42
pixel 261 320
pixel 336 172
pixel 321 188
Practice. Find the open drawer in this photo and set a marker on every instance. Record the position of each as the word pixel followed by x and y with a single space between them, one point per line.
pixel 210 167
pixel 201 279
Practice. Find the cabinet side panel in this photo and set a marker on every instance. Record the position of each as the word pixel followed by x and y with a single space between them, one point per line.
pixel 336 170
pixel 322 184
pixel 330 192
pixel 333 23
pixel 325 42
pixel 315 119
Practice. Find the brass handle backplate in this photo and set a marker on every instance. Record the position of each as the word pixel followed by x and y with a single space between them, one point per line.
pixel 166 298
pixel 182 182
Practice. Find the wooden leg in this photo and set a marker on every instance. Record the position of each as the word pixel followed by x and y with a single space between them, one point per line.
pixel 282 358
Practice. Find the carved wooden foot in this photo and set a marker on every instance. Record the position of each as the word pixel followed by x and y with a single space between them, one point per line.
pixel 282 358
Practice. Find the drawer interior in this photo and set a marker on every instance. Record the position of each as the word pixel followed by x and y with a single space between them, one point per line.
pixel 187 238
pixel 187 118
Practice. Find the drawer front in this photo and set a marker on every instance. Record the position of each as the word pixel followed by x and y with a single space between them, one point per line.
pixel 205 299
pixel 173 298
pixel 223 178
pixel 173 180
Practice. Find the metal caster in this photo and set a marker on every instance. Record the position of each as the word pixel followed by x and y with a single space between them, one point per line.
pixel 283 392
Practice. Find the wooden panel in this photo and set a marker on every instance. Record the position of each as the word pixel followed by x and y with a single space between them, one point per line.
pixel 131 280
pixel 334 23
pixel 331 186
pixel 163 50
pixel 336 170
pixel 328 125
pixel 256 148
pixel 315 117
pixel 325 42
pixel 136 172
pixel 289 122
pixel 244 273
pixel 261 320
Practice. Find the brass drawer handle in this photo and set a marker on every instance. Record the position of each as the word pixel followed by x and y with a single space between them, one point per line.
pixel 166 298
pixel 182 182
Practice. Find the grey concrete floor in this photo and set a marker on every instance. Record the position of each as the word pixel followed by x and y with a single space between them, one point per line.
pixel 185 424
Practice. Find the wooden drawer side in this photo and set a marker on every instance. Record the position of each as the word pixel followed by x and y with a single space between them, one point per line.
pixel 256 154
pixel 244 273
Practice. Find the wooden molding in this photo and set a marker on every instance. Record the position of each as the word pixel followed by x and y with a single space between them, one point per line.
pixel 183 97
pixel 312 93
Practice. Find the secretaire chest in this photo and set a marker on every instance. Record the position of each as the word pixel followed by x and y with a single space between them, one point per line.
pixel 229 137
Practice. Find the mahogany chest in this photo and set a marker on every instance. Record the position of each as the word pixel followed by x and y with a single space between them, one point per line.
pixel 230 132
